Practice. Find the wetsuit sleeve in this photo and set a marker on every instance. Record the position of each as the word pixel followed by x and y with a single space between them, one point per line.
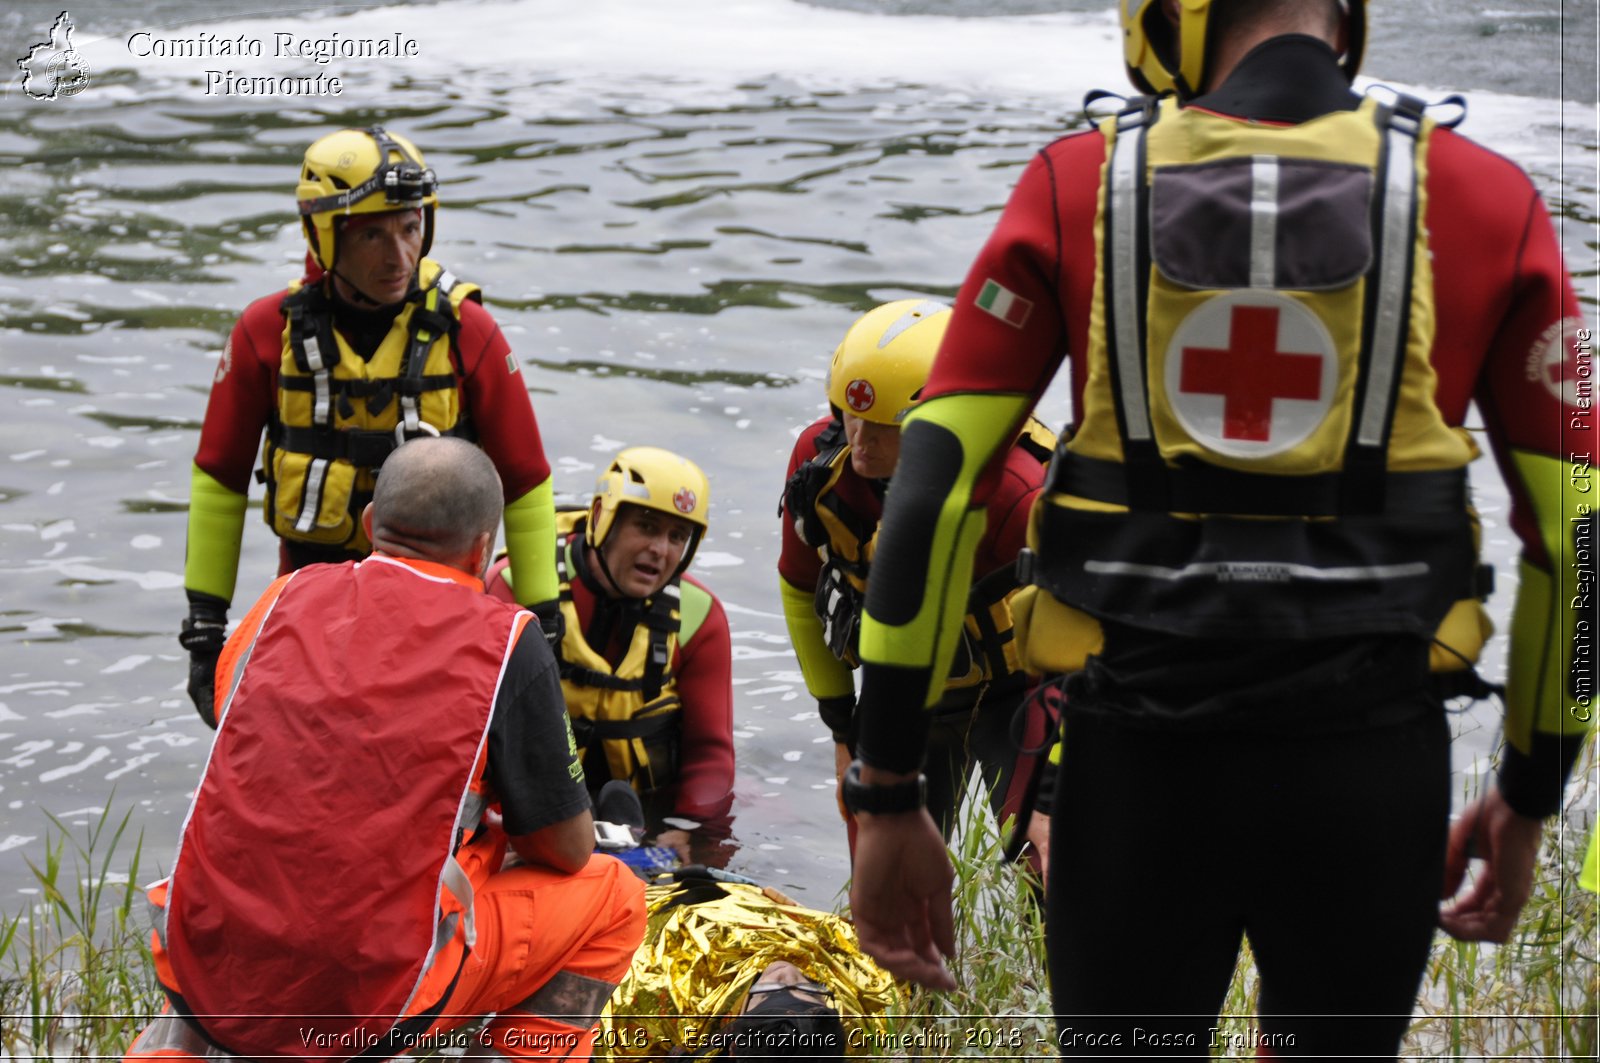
pixel 243 394
pixel 216 535
pixel 531 545
pixel 1511 338
pixel 533 759
pixel 1537 403
pixel 496 398
pixel 705 685
pixel 826 676
pixel 1009 506
pixel 798 562
pixel 992 368
pixel 828 679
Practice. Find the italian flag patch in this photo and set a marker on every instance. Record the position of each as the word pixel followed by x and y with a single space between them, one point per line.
pixel 1004 303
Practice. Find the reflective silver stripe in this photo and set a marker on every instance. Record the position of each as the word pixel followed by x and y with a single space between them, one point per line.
pixel 1258 571
pixel 170 1033
pixel 921 312
pixel 311 495
pixel 1264 222
pixel 472 810
pixel 569 998
pixel 1124 194
pixel 445 282
pixel 322 405
pixel 313 352
pixel 1394 291
pixel 322 402
pixel 455 880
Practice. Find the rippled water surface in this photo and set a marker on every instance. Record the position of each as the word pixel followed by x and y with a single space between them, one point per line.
pixel 673 224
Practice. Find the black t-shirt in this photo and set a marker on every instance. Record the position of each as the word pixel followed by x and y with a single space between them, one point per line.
pixel 533 764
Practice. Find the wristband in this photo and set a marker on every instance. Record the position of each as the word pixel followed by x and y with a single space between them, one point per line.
pixel 896 797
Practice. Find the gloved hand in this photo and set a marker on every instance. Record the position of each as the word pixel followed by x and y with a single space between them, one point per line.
pixel 203 634
pixel 551 622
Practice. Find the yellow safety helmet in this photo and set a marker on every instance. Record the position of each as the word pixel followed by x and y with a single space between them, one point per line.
pixel 650 478
pixel 361 171
pixel 882 364
pixel 1151 47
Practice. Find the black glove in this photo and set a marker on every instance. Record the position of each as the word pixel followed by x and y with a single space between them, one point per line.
pixel 203 635
pixel 551 622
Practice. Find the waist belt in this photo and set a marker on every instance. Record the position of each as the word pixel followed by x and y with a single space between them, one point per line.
pixel 1199 488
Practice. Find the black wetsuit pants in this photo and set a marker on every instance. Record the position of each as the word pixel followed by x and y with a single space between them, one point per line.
pixel 1167 849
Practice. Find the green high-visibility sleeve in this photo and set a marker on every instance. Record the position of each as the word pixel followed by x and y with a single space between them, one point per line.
pixel 216 532
pixel 826 676
pixel 531 545
pixel 939 525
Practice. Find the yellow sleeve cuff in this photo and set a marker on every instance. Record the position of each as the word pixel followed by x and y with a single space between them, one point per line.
pixel 531 545
pixel 826 676
pixel 216 533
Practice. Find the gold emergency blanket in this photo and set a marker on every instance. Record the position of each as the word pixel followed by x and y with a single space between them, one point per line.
pixel 706 942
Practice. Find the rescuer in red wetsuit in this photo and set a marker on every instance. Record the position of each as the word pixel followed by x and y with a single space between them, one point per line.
pixel 839 472
pixel 1256 555
pixel 646 656
pixel 386 731
pixel 375 345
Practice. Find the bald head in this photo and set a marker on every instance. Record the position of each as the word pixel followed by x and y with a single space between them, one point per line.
pixel 437 499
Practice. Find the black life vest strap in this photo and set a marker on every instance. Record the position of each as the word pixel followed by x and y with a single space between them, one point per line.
pixel 363 449
pixel 661 718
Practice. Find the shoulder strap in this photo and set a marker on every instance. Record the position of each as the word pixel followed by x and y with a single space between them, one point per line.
pixel 435 317
pixel 1386 328
pixel 313 347
pixel 1126 271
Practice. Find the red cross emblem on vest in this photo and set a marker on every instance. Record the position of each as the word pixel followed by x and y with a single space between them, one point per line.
pixel 860 396
pixel 684 500
pixel 1251 373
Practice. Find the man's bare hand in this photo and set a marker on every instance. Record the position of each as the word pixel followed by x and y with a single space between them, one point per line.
pixel 1508 845
pixel 900 896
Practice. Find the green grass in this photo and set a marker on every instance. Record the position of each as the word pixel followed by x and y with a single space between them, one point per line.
pixel 1534 998
pixel 75 981
pixel 74 974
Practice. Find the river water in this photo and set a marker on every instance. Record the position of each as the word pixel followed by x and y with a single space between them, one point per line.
pixel 675 210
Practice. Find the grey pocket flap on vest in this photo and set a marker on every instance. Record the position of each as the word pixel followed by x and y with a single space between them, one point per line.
pixel 1262 222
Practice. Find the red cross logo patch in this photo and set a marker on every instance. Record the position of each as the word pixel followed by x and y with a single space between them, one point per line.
pixel 860 396
pixel 685 500
pixel 1250 374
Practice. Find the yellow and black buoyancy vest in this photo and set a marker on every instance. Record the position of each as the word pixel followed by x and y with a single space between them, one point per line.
pixel 632 710
pixel 845 542
pixel 339 415
pixel 1259 452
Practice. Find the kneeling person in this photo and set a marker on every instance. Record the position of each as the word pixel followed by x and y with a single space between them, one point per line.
pixel 352 776
pixel 646 657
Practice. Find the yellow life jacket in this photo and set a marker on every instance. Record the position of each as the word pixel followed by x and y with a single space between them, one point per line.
pixel 339 415
pixel 1259 453
pixel 845 541
pixel 633 710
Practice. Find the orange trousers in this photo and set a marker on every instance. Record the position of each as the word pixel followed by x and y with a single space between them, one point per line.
pixel 551 947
